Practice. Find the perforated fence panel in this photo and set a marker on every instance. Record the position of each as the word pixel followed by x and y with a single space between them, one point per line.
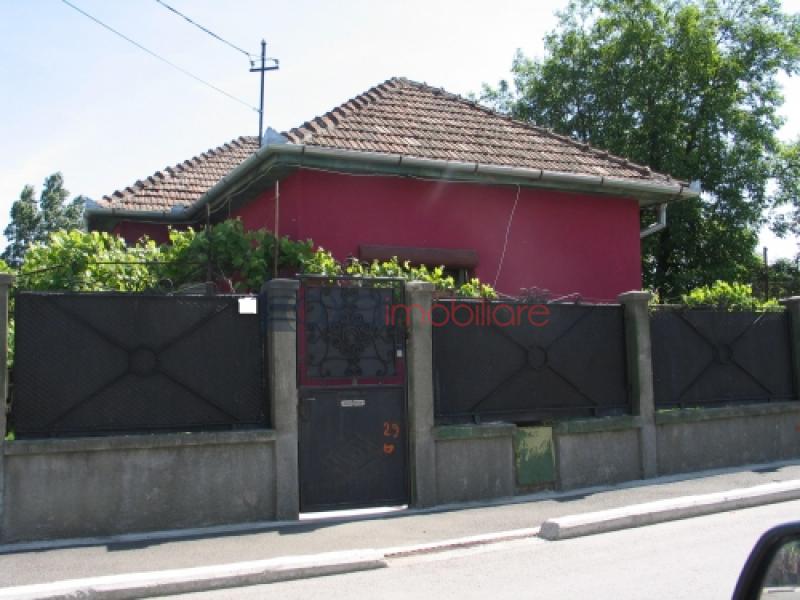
pixel 521 362
pixel 104 363
pixel 712 357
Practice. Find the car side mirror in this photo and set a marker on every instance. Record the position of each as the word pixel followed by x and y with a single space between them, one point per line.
pixel 772 570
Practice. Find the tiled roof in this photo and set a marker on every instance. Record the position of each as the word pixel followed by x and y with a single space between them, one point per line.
pixel 404 117
pixel 398 116
pixel 184 183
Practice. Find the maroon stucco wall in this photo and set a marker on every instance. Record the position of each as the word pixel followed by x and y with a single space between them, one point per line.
pixel 561 241
pixel 133 231
pixel 565 242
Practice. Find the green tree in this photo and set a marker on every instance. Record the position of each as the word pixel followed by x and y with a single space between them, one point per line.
pixel 21 230
pixel 686 87
pixel 787 172
pixel 784 279
pixel 33 221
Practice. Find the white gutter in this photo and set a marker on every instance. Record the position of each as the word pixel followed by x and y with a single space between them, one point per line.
pixel 675 190
pixel 660 224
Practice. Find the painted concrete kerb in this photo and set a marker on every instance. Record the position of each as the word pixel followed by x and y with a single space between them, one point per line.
pixel 458 543
pixel 660 511
pixel 182 581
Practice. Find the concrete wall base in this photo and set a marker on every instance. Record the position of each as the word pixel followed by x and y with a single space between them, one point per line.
pixel 698 439
pixel 85 487
pixel 474 462
pixel 478 462
pixel 586 459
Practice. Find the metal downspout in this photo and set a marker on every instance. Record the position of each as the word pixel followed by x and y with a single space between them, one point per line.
pixel 659 225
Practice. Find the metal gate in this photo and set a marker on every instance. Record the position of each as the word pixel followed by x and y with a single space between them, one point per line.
pixel 353 449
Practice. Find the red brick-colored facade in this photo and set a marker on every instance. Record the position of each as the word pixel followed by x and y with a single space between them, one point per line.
pixel 561 241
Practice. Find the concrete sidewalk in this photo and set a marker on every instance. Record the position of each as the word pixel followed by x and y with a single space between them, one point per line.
pixel 405 531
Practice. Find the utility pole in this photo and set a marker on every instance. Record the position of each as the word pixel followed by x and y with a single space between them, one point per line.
pixel 766 275
pixel 263 69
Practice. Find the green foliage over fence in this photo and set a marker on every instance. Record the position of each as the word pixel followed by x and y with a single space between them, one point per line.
pixel 234 259
pixel 323 263
pixel 98 261
pixel 727 296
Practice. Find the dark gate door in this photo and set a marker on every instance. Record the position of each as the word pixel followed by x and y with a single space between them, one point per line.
pixel 352 412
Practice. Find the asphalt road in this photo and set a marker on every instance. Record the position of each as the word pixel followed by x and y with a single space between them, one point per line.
pixel 694 558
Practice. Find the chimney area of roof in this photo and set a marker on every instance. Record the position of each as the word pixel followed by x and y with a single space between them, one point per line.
pixel 272 137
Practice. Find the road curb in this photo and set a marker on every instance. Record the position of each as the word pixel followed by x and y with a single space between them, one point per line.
pixel 650 513
pixel 197 579
pixel 460 543
pixel 182 581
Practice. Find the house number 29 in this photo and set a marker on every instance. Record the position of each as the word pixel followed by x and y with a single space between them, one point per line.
pixel 390 430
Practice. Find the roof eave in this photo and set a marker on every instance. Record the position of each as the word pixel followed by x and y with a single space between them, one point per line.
pixel 299 155
pixel 646 192
pixel 172 216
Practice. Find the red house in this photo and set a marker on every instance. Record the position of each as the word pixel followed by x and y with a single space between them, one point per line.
pixel 412 171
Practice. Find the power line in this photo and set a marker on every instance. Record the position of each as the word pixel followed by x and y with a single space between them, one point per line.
pixel 505 241
pixel 161 58
pixel 209 32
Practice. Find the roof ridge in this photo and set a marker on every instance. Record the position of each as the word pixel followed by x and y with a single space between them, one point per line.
pixel 354 105
pixel 585 146
pixel 174 171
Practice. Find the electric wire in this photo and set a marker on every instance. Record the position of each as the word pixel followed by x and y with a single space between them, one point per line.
pixel 208 31
pixel 161 58
pixel 505 241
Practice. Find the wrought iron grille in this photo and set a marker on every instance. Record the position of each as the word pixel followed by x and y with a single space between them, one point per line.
pixel 570 364
pixel 102 363
pixel 708 357
pixel 346 332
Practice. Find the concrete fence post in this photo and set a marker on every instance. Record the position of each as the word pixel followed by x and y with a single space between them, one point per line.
pixel 793 308
pixel 5 282
pixel 419 298
pixel 639 354
pixel 282 369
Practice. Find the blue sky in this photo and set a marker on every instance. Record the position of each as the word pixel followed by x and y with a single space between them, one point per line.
pixel 79 100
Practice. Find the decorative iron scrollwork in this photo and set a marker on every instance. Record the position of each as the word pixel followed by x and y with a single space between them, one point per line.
pixel 347 333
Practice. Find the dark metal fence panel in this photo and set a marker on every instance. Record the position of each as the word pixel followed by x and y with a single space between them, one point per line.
pixel 102 363
pixel 568 363
pixel 708 357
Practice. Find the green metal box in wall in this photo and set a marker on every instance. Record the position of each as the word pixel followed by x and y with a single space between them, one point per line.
pixel 533 454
